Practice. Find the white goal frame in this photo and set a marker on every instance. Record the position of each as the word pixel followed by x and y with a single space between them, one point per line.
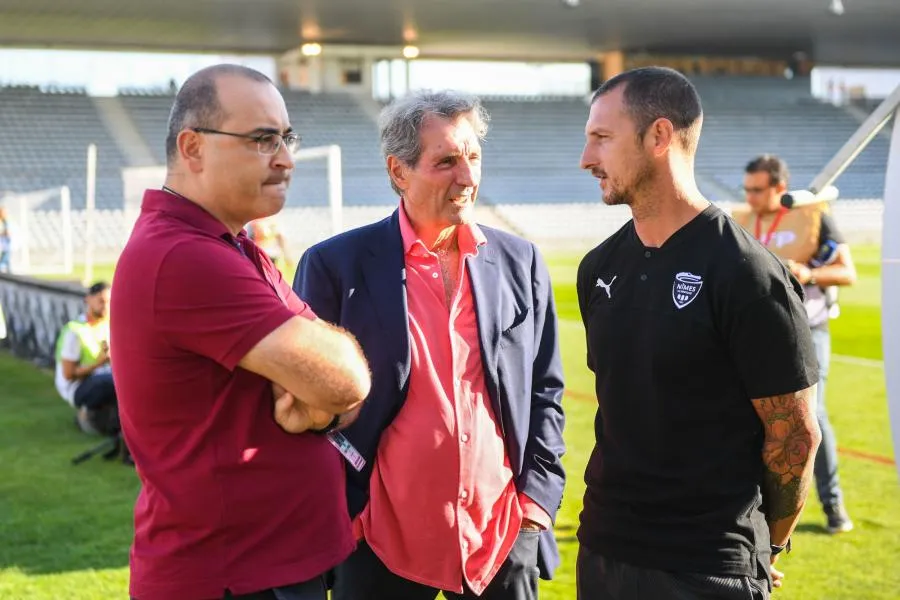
pixel 334 173
pixel 890 244
pixel 21 208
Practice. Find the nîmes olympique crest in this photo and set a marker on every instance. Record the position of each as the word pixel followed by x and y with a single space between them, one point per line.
pixel 686 289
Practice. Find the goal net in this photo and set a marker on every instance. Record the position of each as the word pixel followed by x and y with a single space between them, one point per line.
pixel 41 231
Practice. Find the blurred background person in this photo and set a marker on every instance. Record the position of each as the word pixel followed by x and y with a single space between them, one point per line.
pixel 808 240
pixel 5 241
pixel 267 235
pixel 84 376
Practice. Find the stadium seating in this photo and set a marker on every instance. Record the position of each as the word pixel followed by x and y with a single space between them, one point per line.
pixel 45 136
pixel 532 151
pixel 149 110
pixel 531 154
pixel 326 119
pixel 322 120
pixel 750 116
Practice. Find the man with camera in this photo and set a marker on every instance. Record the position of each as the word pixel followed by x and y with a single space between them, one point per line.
pixel 807 239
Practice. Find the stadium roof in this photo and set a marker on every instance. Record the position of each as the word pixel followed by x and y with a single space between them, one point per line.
pixel 523 29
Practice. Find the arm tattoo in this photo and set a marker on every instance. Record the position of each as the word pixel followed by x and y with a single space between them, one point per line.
pixel 788 451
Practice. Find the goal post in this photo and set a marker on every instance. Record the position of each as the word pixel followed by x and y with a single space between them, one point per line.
pixel 41 231
pixel 890 275
pixel 890 247
pixel 332 156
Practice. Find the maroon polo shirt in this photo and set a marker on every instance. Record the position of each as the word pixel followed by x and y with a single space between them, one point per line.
pixel 229 500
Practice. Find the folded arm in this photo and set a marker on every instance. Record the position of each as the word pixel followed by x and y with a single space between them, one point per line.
pixel 318 363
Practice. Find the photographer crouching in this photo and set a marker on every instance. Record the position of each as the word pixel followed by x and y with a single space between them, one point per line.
pixel 83 372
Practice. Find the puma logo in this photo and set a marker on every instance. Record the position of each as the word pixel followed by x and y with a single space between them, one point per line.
pixel 606 286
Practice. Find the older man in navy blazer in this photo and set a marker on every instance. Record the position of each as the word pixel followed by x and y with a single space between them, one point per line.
pixel 462 431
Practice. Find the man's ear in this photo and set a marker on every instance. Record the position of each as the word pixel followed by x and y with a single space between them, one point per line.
pixel 660 136
pixel 399 172
pixel 190 147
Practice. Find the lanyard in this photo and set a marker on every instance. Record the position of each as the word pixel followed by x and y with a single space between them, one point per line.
pixel 765 241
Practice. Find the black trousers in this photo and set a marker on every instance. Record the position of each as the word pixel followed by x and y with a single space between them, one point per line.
pixel 314 589
pixel 97 393
pixel 364 577
pixel 600 578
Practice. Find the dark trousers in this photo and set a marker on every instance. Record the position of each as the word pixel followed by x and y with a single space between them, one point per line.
pixel 97 394
pixel 95 391
pixel 314 589
pixel 600 578
pixel 364 577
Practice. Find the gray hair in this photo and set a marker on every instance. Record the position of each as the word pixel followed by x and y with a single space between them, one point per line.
pixel 197 102
pixel 401 121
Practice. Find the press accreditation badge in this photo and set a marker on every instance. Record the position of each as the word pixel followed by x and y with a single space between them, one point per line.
pixel 344 446
pixel 336 438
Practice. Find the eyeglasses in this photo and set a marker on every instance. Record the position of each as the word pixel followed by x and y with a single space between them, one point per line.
pixel 267 144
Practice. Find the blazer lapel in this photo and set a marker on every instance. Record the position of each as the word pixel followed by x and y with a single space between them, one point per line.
pixel 385 275
pixel 485 280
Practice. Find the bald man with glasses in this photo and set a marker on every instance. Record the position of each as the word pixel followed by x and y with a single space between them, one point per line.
pixel 230 386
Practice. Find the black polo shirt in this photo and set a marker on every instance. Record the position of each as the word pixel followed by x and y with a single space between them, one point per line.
pixel 680 338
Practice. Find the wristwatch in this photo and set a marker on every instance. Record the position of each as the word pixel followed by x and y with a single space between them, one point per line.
pixel 776 550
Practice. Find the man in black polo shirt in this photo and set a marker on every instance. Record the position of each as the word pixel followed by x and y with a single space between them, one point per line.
pixel 705 371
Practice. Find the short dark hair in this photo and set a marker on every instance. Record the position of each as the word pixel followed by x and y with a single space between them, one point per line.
pixel 197 102
pixel 96 288
pixel 772 165
pixel 653 93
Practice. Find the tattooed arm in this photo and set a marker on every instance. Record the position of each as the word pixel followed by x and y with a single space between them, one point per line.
pixel 791 438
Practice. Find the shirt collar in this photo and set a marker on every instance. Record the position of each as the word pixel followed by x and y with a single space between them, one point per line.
pixel 189 212
pixel 469 237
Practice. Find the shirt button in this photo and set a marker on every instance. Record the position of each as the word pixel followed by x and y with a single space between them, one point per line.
pixel 643 277
pixel 464 437
pixel 464 494
pixel 647 254
pixel 434 275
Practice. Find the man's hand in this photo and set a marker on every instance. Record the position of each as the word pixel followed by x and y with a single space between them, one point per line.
pixel 800 271
pixel 321 362
pixel 777 576
pixel 103 355
pixel 294 416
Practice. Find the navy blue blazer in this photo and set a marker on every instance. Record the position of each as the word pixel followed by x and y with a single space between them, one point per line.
pixel 358 280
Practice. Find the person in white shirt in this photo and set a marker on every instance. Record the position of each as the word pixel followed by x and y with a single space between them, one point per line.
pixel 83 372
